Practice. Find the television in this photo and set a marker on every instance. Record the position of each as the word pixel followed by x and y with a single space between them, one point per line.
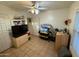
pixel 19 30
pixel 45 30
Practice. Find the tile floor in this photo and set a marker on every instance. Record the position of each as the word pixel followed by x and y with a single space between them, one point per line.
pixel 36 47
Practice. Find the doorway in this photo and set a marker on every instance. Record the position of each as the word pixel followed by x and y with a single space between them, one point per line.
pixel 30 25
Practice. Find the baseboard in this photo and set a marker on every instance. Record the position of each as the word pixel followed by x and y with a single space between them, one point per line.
pixel 35 35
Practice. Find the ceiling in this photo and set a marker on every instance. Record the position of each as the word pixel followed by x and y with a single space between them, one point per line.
pixel 56 4
pixel 20 5
pixel 17 5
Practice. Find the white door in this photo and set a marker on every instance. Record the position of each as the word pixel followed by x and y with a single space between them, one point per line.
pixel 30 27
pixel 76 34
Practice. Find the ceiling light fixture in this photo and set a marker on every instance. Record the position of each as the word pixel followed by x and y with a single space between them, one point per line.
pixel 35 11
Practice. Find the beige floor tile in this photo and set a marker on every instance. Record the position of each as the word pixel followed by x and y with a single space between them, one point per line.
pixel 36 47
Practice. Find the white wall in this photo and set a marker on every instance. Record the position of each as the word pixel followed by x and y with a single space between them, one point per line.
pixel 54 17
pixel 6 15
pixel 72 13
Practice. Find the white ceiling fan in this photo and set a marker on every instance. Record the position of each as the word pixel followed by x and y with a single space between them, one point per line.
pixel 35 8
